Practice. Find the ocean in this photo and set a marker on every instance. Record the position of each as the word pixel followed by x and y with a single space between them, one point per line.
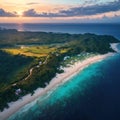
pixel 93 94
pixel 101 29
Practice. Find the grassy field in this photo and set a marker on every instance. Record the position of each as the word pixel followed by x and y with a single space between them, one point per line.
pixel 32 51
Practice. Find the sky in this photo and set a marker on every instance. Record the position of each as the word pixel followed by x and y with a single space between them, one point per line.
pixel 59 11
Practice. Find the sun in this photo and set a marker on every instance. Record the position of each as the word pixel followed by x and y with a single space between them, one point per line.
pixel 20 13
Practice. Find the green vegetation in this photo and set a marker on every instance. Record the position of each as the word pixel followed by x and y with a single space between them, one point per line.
pixel 13 68
pixel 80 57
pixel 32 51
pixel 24 51
pixel 10 37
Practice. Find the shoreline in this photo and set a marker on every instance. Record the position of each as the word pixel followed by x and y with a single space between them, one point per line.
pixel 68 73
pixel 114 47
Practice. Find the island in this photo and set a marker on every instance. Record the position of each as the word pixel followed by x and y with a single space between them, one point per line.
pixel 32 60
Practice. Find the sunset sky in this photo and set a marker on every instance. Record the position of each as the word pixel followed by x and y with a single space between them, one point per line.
pixel 59 11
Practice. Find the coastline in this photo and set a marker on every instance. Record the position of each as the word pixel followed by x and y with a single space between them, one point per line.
pixel 114 47
pixel 59 79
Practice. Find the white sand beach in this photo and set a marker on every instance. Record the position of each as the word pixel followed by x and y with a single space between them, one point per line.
pixel 60 78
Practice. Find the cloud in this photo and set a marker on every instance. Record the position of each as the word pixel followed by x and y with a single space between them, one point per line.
pixel 3 13
pixel 78 11
pixel 93 9
pixel 31 13
pixel 32 3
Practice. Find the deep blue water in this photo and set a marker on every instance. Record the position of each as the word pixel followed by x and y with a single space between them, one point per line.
pixel 109 29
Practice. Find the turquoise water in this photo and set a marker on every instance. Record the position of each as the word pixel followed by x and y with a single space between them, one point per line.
pixel 71 97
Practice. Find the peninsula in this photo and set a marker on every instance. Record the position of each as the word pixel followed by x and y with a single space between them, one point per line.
pixel 33 60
